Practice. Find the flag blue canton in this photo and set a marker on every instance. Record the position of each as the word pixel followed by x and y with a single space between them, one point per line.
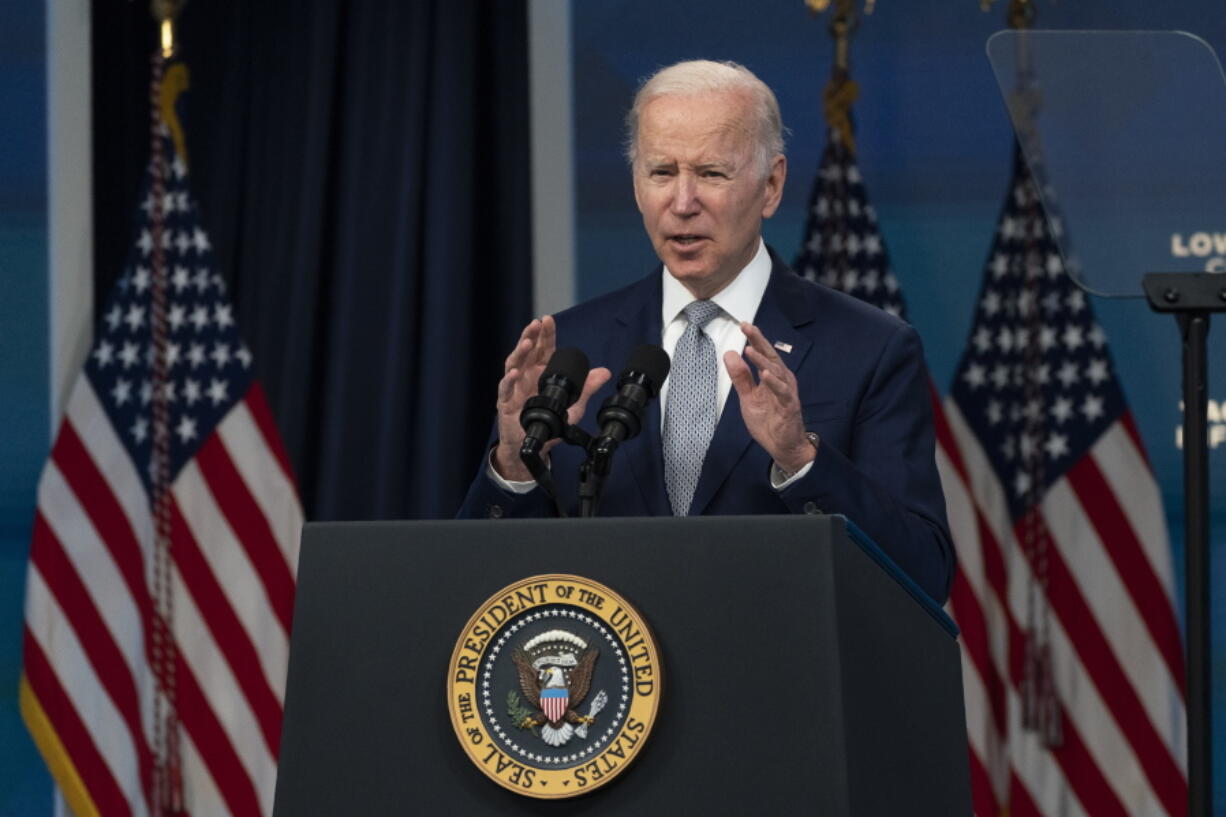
pixel 843 247
pixel 208 365
pixel 1036 381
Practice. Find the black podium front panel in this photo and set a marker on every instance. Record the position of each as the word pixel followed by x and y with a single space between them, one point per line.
pixel 798 676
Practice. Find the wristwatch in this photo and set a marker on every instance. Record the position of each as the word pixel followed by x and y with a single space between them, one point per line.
pixel 815 440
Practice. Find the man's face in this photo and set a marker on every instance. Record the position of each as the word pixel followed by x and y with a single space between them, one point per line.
pixel 700 188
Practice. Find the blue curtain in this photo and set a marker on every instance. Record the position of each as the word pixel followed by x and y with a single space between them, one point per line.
pixel 363 170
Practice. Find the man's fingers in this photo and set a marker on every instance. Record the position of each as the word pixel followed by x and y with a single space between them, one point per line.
pixel 535 346
pixel 523 347
pixel 761 361
pixel 549 331
pixel 547 341
pixel 518 355
pixel 758 341
pixel 596 378
pixel 506 386
pixel 738 370
pixel 765 364
pixel 780 388
pixel 768 360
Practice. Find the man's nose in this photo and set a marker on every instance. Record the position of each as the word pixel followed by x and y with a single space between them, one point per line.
pixel 685 195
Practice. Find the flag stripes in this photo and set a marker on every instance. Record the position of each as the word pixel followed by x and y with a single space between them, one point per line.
pixel 1048 492
pixel 1122 636
pixel 70 728
pixel 1022 805
pixel 105 596
pixel 203 726
pixel 983 798
pixel 114 673
pixel 237 429
pixel 210 611
pixel 272 486
pixel 1098 500
pixel 1108 730
pixel 231 712
pixel 88 602
pixel 49 745
pixel 203 796
pixel 241 512
pixel 90 691
pixel 217 569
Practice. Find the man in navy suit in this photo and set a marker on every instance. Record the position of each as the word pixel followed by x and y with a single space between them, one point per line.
pixel 819 404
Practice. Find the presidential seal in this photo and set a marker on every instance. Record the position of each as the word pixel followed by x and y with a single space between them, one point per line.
pixel 554 685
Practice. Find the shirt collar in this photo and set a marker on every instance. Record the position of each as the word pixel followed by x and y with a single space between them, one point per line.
pixel 740 299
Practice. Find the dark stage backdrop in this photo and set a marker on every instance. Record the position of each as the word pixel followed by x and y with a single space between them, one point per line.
pixel 363 171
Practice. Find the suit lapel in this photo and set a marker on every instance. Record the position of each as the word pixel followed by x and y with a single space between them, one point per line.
pixel 784 307
pixel 639 322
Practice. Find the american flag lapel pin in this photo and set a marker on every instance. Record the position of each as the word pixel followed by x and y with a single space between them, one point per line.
pixel 786 348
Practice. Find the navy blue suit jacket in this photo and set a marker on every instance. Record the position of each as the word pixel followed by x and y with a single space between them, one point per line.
pixel 864 388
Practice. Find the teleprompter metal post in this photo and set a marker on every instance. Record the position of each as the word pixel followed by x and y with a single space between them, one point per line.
pixel 1192 298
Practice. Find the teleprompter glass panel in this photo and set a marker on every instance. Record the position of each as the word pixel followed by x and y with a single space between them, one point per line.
pixel 1125 133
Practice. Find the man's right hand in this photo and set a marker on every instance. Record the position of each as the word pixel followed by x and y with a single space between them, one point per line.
pixel 521 373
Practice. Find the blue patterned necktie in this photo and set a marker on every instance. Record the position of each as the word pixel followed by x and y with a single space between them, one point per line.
pixel 690 415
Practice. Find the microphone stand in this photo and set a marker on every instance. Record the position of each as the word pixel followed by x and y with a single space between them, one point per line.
pixel 530 456
pixel 592 473
pixel 590 482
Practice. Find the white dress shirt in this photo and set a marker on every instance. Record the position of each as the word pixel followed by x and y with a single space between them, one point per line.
pixel 737 302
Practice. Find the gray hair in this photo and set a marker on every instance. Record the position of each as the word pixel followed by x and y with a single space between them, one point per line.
pixel 698 77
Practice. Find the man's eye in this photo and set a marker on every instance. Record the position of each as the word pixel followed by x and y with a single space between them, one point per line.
pixel 661 172
pixel 714 174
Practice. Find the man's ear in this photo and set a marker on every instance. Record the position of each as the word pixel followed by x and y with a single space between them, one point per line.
pixel 773 193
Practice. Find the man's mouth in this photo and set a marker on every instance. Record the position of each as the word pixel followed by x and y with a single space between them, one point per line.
pixel 686 239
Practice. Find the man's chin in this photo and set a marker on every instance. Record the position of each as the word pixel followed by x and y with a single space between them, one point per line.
pixel 694 261
pixel 701 281
pixel 687 273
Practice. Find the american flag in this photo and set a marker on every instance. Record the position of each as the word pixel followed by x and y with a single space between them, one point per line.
pixel 1057 522
pixel 112 703
pixel 1072 658
pixel 843 247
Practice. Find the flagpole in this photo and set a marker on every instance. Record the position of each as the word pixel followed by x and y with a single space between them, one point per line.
pixel 168 778
pixel 840 90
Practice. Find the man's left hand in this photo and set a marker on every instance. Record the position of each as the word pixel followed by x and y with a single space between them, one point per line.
pixel 770 406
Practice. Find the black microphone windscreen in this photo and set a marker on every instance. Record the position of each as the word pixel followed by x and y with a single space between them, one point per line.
pixel 651 361
pixel 569 362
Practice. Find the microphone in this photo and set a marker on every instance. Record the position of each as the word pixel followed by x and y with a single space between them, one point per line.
pixel 621 415
pixel 544 416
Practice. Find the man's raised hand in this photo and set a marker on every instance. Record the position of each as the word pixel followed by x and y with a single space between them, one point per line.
pixel 521 373
pixel 770 406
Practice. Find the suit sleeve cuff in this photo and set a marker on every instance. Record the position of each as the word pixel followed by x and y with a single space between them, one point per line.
pixel 780 480
pixel 510 486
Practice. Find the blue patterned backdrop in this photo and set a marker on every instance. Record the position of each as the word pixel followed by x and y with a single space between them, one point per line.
pixel 24 784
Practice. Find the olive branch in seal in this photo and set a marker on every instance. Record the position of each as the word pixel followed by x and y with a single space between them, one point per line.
pixel 518 712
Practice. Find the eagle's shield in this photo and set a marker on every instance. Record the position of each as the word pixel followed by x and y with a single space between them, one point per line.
pixel 554 701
